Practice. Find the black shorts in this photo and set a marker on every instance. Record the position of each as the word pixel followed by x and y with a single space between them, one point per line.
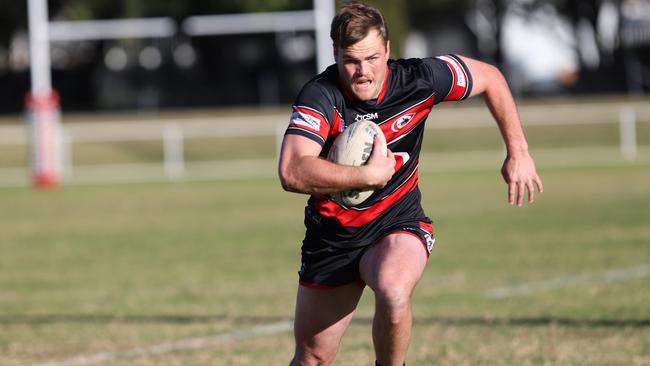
pixel 331 253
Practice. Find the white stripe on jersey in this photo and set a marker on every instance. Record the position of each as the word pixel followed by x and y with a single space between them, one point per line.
pixel 307 131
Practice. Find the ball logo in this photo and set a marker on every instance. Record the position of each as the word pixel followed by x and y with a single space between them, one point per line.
pixel 367 150
pixel 401 122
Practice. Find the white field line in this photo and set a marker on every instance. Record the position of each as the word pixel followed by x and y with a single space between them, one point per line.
pixel 181 345
pixel 528 288
pixel 618 275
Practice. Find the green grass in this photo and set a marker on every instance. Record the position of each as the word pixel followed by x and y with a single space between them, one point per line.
pixel 87 269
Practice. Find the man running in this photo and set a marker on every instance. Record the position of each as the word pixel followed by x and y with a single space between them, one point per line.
pixel 385 241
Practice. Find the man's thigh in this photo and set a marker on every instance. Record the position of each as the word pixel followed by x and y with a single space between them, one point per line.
pixel 395 261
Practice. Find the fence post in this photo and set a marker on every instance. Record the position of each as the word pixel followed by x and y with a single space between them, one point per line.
pixel 627 127
pixel 280 128
pixel 68 158
pixel 173 151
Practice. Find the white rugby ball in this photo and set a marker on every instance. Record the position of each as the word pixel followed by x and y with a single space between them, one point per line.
pixel 353 147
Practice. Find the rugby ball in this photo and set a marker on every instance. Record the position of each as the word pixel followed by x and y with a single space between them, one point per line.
pixel 353 147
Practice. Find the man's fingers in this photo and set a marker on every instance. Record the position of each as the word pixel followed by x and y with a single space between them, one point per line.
pixel 517 191
pixel 531 191
pixel 538 182
pixel 511 193
pixel 520 193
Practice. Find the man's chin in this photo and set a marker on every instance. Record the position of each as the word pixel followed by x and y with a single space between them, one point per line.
pixel 363 95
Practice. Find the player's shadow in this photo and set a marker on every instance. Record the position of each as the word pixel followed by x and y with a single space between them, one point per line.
pixel 18 319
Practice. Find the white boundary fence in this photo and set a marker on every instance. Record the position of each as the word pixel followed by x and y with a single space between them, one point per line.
pixel 173 132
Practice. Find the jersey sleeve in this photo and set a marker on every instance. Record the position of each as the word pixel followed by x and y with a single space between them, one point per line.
pixel 451 78
pixel 312 114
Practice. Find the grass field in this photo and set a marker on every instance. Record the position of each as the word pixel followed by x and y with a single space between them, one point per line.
pixel 116 270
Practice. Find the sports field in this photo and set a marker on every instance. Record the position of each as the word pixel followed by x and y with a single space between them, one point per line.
pixel 96 269
pixel 204 272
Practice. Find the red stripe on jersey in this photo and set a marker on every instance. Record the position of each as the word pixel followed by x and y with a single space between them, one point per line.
pixel 337 124
pixel 353 218
pixel 384 87
pixel 309 120
pixel 405 122
pixel 400 159
pixel 460 83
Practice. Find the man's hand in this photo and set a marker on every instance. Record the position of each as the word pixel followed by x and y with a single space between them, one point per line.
pixel 379 168
pixel 519 173
pixel 518 169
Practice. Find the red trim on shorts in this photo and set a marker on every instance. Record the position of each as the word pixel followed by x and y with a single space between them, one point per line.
pixel 317 286
pixel 424 245
pixel 426 227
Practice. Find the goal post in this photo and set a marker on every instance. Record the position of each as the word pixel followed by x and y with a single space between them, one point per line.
pixel 42 103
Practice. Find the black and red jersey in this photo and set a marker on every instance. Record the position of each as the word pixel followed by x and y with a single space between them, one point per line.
pixel 411 88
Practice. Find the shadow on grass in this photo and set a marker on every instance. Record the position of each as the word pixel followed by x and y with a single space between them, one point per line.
pixel 192 319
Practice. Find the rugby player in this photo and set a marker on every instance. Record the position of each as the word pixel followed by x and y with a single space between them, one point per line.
pixel 383 243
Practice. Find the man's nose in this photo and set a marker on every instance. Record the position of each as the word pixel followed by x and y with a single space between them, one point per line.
pixel 362 67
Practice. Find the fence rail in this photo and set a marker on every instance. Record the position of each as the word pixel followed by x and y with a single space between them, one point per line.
pixel 173 132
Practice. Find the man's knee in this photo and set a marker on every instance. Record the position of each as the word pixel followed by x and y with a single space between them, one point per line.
pixel 394 301
pixel 311 356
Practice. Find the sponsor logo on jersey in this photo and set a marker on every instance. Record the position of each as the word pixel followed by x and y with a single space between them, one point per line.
pixel 458 70
pixel 401 122
pixel 364 117
pixel 305 120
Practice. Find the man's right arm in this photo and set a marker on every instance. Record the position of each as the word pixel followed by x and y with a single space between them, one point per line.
pixel 301 169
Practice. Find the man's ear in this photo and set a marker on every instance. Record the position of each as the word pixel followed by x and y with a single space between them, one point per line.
pixel 388 48
pixel 335 51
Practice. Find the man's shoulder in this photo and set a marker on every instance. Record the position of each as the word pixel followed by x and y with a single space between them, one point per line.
pixel 407 70
pixel 326 82
pixel 412 64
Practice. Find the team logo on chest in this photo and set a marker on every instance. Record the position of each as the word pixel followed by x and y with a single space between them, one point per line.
pixel 364 117
pixel 402 121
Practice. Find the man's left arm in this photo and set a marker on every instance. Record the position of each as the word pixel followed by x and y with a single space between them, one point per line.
pixel 518 168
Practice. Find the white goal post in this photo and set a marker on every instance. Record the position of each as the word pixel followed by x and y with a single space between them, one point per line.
pixel 42 103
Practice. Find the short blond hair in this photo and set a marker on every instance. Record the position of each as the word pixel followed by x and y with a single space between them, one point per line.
pixel 354 21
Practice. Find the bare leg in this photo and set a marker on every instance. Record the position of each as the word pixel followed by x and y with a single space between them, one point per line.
pixel 392 268
pixel 322 316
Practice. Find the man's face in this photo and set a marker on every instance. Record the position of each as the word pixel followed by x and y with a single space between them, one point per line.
pixel 362 66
